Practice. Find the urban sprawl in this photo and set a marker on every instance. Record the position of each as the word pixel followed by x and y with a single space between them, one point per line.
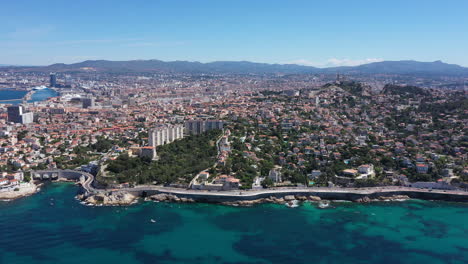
pixel 228 132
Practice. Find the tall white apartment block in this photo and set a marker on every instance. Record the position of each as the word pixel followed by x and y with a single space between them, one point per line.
pixel 165 134
pixel 196 127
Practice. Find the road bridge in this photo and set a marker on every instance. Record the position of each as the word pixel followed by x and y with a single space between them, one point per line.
pixel 86 179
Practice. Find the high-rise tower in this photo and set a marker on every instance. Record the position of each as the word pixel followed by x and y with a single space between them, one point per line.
pixel 53 79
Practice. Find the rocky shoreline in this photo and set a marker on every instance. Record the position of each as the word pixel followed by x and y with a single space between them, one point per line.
pixel 92 195
pixel 163 197
pixel 125 198
pixel 110 198
pixel 23 191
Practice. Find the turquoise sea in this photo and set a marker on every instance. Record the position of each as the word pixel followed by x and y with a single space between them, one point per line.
pixel 39 95
pixel 52 227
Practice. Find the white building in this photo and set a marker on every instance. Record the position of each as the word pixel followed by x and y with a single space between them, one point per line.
pixel 275 174
pixel 165 134
pixel 366 171
pixel 224 144
pixel 17 114
pixel 197 127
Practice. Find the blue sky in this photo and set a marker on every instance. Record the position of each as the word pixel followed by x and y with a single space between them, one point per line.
pixel 320 33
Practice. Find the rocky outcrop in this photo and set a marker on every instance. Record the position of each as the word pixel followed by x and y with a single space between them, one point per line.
pixel 123 198
pixel 314 198
pixel 393 198
pixel 278 200
pixel 22 190
pixel 364 199
pixel 111 198
pixel 270 199
pixel 167 197
pixel 273 199
pixel 301 197
pixel 164 197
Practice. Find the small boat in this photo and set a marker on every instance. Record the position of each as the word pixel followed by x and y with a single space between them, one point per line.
pixel 153 221
pixel 323 204
pixel 42 87
pixel 292 204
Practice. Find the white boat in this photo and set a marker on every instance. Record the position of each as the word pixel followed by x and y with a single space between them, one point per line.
pixel 153 221
pixel 42 87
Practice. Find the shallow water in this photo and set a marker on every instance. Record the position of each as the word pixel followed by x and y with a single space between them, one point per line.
pixel 53 227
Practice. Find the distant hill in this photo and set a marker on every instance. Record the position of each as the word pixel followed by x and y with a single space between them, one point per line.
pixel 403 90
pixel 240 67
pixel 245 67
pixel 405 67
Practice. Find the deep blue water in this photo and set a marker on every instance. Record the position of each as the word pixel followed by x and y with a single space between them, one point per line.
pixel 37 96
pixel 52 227
pixel 8 94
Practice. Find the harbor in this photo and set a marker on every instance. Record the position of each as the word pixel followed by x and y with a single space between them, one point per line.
pixel 17 96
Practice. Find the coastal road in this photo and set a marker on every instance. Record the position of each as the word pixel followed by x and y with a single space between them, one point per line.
pixel 288 191
pixel 87 184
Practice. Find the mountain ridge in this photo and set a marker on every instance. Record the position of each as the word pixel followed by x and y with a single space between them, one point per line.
pixel 247 67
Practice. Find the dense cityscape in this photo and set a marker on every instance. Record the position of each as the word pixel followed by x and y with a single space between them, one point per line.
pixel 234 132
pixel 275 131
